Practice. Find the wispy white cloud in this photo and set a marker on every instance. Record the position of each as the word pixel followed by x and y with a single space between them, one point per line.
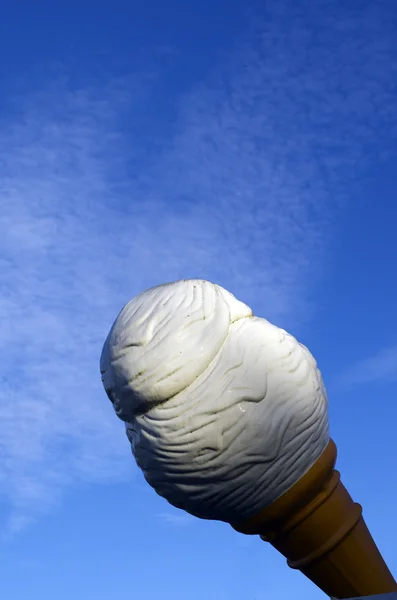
pixel 96 207
pixel 380 368
pixel 176 520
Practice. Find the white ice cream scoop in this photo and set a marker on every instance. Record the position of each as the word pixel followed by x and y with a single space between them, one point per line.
pixel 225 412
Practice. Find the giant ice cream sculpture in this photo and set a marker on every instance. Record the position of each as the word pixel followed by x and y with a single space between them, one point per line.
pixel 227 418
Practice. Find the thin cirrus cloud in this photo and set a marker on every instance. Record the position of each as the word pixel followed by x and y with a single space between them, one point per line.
pixel 380 368
pixel 175 520
pixel 242 191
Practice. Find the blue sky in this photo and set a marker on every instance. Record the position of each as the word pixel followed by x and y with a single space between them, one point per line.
pixel 250 143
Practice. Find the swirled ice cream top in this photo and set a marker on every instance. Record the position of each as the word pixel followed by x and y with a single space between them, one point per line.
pixel 224 411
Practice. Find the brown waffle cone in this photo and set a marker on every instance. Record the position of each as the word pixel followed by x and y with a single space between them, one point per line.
pixel 321 531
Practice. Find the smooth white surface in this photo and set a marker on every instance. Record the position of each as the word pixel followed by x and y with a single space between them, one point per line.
pixel 224 411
